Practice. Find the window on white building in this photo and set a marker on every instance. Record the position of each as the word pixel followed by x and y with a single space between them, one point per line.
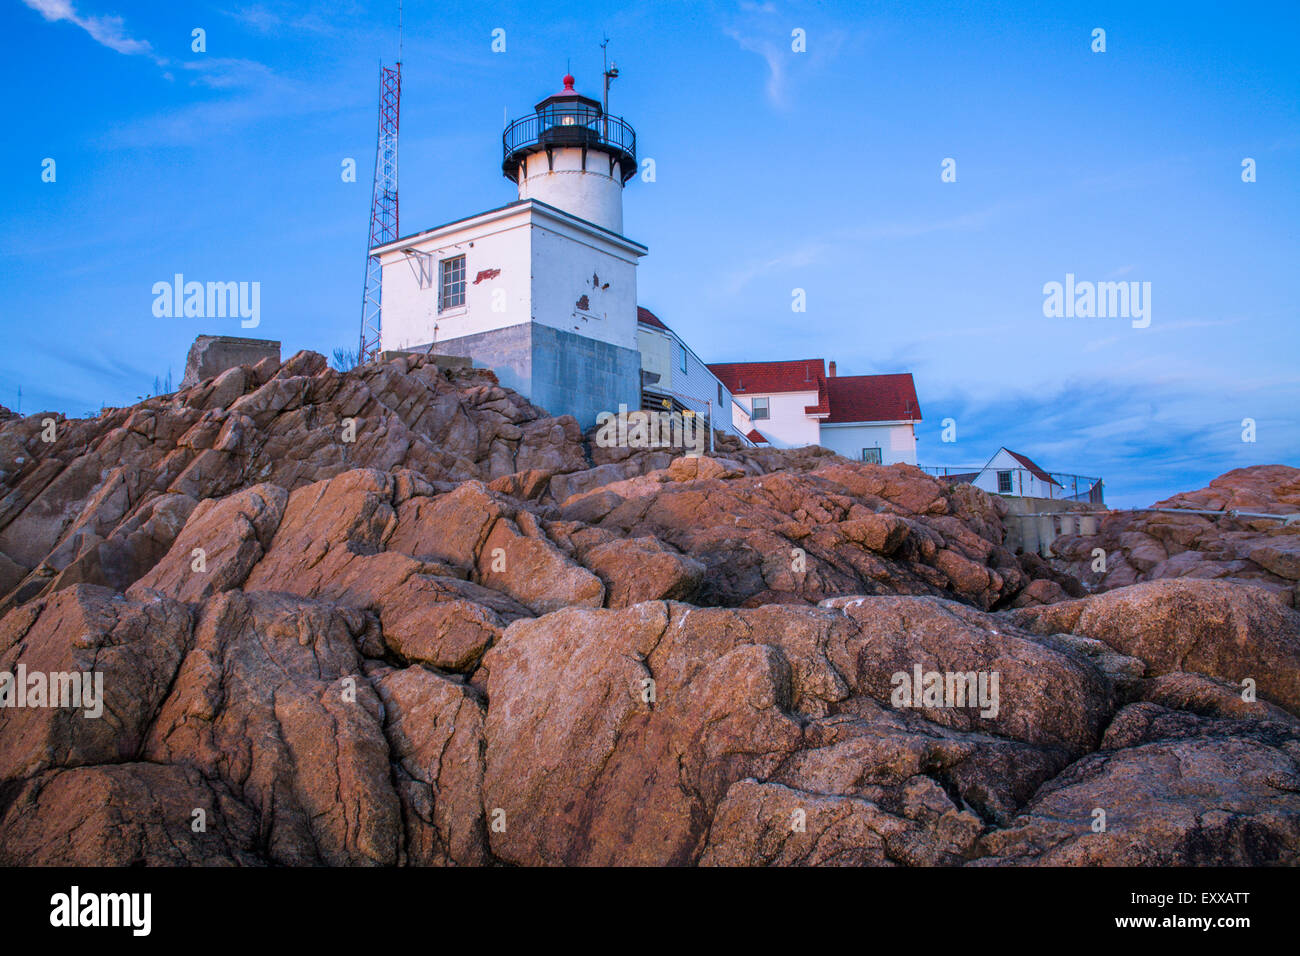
pixel 759 409
pixel 683 358
pixel 871 455
pixel 451 289
pixel 722 400
pixel 1004 482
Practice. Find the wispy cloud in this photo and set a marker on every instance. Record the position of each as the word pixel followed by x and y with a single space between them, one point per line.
pixel 109 31
pixel 773 55
pixel 764 29
pixel 215 72
pixel 229 72
pixel 246 94
pixel 815 250
pixel 1157 328
pixel 791 259
pixel 264 19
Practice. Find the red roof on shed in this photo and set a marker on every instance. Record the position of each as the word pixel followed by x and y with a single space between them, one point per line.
pixel 1032 466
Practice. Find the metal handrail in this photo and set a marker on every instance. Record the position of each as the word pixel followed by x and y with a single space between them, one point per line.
pixel 576 125
pixel 1287 519
pixel 1085 488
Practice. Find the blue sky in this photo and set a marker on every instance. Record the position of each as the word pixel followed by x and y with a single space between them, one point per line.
pixel 775 170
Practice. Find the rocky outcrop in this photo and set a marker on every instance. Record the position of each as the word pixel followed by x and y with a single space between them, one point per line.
pixel 100 500
pixel 461 635
pixel 1231 546
pixel 454 461
pixel 1142 800
pixel 1232 632
pixel 639 735
pixel 657 734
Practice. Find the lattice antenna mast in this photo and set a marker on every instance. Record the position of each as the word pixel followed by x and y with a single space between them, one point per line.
pixel 383 205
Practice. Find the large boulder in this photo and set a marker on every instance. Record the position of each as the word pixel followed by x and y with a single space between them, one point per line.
pixel 1217 628
pixel 103 666
pixel 272 700
pixel 1168 789
pixel 435 730
pixel 128 814
pixel 218 546
pixel 626 730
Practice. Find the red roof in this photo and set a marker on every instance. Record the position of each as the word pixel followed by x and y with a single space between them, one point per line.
pixel 756 437
pixel 873 398
pixel 649 318
pixel 745 378
pixel 848 398
pixel 823 406
pixel 1033 468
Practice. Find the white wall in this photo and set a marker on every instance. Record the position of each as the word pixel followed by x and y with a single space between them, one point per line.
pixel 545 263
pixel 897 442
pixel 789 425
pixel 1023 482
pixel 566 258
pixel 697 388
pixel 656 348
pixel 591 194
pixel 740 419
pixel 410 283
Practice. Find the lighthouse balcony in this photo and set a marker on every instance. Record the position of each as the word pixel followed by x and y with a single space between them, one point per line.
pixel 574 125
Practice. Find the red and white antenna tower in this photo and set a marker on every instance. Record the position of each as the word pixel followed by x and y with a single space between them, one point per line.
pixel 383 205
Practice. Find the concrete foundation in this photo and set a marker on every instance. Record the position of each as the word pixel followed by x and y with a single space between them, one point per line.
pixel 1034 523
pixel 210 355
pixel 564 373
pixel 446 362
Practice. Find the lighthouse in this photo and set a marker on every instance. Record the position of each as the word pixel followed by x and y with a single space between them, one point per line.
pixel 541 290
pixel 570 155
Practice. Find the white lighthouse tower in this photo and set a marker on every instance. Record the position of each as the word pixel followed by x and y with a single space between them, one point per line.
pixel 542 290
pixel 570 155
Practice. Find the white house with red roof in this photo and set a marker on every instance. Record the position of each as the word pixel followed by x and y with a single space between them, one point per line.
pixel 1011 473
pixel 794 403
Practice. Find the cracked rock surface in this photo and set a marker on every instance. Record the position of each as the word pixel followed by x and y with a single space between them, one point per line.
pixel 471 637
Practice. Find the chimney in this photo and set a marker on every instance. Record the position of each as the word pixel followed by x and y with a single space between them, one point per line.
pixel 832 368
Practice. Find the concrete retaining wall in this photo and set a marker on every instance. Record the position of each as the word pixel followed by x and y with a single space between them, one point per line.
pixel 564 373
pixel 210 355
pixel 1034 523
